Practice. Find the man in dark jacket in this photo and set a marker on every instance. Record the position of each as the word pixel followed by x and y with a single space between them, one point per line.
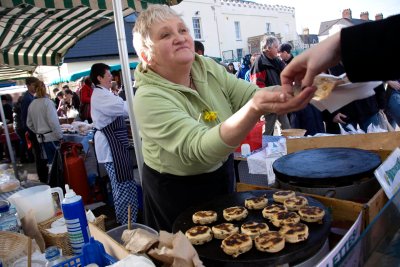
pixel 265 72
pixel 285 52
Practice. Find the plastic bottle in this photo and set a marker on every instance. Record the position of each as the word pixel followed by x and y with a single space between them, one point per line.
pixel 53 256
pixel 75 219
pixel 8 217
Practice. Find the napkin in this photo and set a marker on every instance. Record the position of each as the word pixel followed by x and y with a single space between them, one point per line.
pixel 344 94
pixel 175 250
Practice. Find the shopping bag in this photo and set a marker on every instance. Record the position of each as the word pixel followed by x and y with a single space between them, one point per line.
pixel 254 138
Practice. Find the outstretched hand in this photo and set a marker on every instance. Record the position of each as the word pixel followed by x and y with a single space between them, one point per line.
pixel 282 102
pixel 304 67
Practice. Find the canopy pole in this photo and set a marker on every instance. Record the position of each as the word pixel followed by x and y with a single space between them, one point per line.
pixel 6 133
pixel 124 57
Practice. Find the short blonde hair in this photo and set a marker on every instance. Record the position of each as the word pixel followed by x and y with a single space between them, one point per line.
pixel 40 89
pixel 141 32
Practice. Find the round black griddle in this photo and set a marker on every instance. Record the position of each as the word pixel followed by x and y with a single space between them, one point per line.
pixel 326 166
pixel 212 254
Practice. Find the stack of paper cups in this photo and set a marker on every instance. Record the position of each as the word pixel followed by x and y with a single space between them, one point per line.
pixel 245 150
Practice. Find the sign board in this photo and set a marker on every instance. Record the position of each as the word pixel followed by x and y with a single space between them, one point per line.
pixel 388 174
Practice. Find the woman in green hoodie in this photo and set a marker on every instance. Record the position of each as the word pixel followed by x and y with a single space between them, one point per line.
pixel 192 114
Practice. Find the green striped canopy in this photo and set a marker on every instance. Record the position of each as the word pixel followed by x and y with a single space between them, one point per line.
pixel 40 32
pixel 15 73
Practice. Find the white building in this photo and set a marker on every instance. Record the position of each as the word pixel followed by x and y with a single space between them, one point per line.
pixel 224 26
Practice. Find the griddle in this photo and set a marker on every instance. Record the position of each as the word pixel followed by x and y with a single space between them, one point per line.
pixel 326 166
pixel 212 255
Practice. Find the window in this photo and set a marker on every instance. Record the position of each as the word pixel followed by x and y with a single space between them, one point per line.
pixel 268 27
pixel 239 53
pixel 237 31
pixel 287 28
pixel 197 28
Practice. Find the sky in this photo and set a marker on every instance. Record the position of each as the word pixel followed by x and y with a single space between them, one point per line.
pixel 310 13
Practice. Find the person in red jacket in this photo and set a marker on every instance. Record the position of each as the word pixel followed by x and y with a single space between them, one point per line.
pixel 85 95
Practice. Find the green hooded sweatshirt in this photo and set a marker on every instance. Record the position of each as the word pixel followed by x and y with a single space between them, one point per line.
pixel 177 139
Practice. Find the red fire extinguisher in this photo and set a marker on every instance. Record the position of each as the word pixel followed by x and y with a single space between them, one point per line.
pixel 75 173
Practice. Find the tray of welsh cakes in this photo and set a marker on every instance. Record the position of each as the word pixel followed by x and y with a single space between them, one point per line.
pixel 256 228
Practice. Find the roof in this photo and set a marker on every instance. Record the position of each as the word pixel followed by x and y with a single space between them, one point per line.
pixel 327 25
pixel 96 46
pixel 309 39
pixel 40 32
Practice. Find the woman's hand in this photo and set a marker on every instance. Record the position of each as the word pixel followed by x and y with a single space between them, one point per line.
pixel 279 102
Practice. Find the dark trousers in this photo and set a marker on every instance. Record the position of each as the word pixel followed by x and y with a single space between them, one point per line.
pixel 41 164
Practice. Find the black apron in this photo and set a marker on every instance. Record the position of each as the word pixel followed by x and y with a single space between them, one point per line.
pixel 117 137
pixel 165 195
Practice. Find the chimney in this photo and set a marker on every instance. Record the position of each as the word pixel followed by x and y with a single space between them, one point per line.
pixel 379 16
pixel 346 14
pixel 364 15
pixel 306 31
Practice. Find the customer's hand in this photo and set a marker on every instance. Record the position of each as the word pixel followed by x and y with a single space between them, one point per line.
pixel 304 67
pixel 394 84
pixel 340 118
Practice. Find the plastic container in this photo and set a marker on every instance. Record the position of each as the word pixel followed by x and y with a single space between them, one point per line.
pixel 53 256
pixel 93 253
pixel 116 233
pixel 8 218
pixel 37 198
pixel 75 219
pixel 245 150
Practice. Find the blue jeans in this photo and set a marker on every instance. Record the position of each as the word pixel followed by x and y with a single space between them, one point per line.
pixel 374 119
pixel 394 108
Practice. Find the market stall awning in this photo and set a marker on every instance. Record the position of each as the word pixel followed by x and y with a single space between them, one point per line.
pixel 38 32
pixel 116 67
pixel 14 72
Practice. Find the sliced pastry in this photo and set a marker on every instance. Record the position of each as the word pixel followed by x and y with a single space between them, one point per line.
pixel 236 244
pixel 204 217
pixel 294 232
pixel 295 203
pixel 199 235
pixel 256 203
pixel 311 214
pixel 285 217
pixel 282 195
pixel 253 229
pixel 271 242
pixel 236 213
pixel 272 209
pixel 224 230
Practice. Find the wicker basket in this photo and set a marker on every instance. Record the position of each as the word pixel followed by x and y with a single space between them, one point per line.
pixel 12 247
pixel 61 240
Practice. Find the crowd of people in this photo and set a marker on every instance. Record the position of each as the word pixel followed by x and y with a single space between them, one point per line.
pixel 264 69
